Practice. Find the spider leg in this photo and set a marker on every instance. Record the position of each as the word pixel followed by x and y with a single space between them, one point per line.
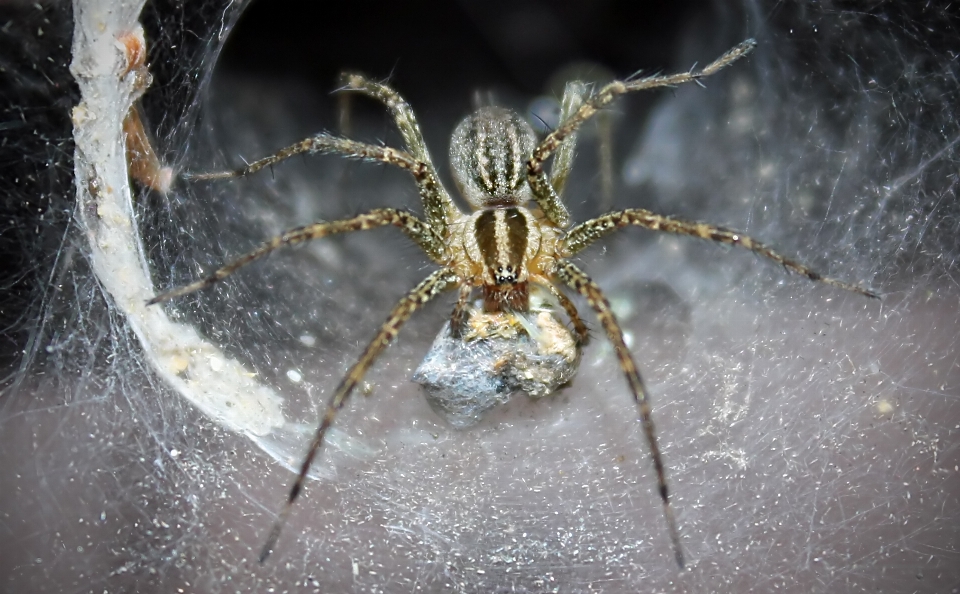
pixel 584 285
pixel 459 316
pixel 583 333
pixel 322 143
pixel 543 191
pixel 381 217
pixel 437 205
pixel 605 156
pixel 573 94
pixel 546 196
pixel 432 286
pixel 327 144
pixel 586 233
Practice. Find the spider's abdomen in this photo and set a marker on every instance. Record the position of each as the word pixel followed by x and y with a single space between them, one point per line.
pixel 488 154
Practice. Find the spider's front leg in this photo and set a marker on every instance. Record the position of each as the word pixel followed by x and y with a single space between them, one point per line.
pixel 432 286
pixel 586 233
pixel 584 285
pixel 579 327
pixel 381 217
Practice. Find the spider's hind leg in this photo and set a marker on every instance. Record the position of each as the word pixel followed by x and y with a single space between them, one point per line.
pixel 400 110
pixel 431 242
pixel 574 94
pixel 547 198
pixel 437 205
pixel 587 232
pixel 381 217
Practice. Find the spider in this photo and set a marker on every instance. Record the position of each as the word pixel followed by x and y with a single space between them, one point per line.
pixel 502 248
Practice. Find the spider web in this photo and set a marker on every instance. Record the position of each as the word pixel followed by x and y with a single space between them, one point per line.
pixel 810 435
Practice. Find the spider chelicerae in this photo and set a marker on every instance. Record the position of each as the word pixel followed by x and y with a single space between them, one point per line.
pixel 503 248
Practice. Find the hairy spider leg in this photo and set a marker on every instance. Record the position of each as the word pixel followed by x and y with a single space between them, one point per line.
pixel 432 242
pixel 584 285
pixel 381 217
pixel 573 94
pixel 438 208
pixel 458 318
pixel 587 232
pixel 583 333
pixel 432 286
pixel 543 191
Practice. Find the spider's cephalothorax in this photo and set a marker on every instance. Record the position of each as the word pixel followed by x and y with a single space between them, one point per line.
pixel 502 248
